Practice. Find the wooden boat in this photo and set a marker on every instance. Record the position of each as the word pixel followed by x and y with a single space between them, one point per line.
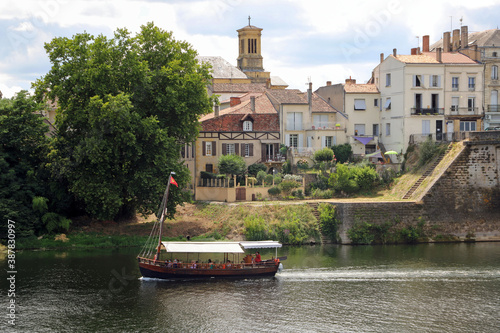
pixel 236 263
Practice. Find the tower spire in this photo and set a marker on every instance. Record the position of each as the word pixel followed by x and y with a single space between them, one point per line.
pixel 249 20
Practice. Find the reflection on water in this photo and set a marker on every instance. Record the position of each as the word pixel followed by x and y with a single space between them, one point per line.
pixel 424 288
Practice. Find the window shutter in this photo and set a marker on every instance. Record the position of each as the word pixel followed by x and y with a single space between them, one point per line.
pixel 263 151
pixel 250 149
pixel 287 140
pixel 203 147
pixel 237 149
pixel 323 142
pixel 214 145
pixel 224 149
pixel 301 140
pixel 242 150
pixel 439 81
pixel 290 120
pixel 414 80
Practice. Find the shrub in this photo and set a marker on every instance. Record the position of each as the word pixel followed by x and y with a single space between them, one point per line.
pixel 274 191
pixel 428 150
pixel 328 221
pixel 302 164
pixel 361 233
pixel 298 194
pixel 296 178
pixel 261 176
pixel 207 175
pixel 323 155
pixel 342 152
pixel 287 167
pixel 321 194
pixel 231 164
pixel 277 180
pixel 288 186
pixel 343 180
pixel 256 228
pixel 268 179
pixel 365 177
pixel 255 168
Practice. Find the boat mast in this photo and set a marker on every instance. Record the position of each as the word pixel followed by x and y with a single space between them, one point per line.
pixel 163 213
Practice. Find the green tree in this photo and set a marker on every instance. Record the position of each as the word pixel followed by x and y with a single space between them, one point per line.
pixel 343 180
pixel 23 147
pixel 342 152
pixel 255 168
pixel 323 155
pixel 231 165
pixel 125 105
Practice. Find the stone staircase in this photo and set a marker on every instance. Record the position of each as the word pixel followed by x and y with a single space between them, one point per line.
pixel 314 206
pixel 426 174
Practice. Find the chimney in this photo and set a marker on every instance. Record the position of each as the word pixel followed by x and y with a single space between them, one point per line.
pixel 475 53
pixel 414 51
pixel 252 103
pixel 464 37
pixel 234 101
pixel 216 111
pixel 309 96
pixel 425 43
pixel 268 84
pixel 381 57
pixel 456 40
pixel 395 52
pixel 350 81
pixel 446 41
pixel 418 50
pixel 328 83
pixel 438 54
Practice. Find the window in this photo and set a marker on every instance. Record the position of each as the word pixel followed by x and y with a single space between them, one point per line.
pixel 387 129
pixel 359 104
pixel 230 148
pixel 388 103
pixel 375 130
pixel 247 125
pixel 435 81
pixel 494 54
pixel 375 102
pixel 242 46
pixel 359 129
pixel 494 72
pixel 208 148
pixel 472 83
pixel 388 79
pixel 209 168
pixel 454 83
pixel 417 81
pixel 252 45
pixel 329 141
pixel 294 140
pixel 426 127
pixel 294 121
pixel 320 120
pixel 471 104
pixel 246 149
pixel 454 103
pixel 467 126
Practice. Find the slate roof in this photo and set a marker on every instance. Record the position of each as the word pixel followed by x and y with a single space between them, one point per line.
pixel 238 87
pixel 222 69
pixel 480 38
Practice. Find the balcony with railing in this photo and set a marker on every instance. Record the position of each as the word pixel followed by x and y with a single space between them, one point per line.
pixel 439 137
pixel 463 111
pixel 323 126
pixel 493 107
pixel 427 111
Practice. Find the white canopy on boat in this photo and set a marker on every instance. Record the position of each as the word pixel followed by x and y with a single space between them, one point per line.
pixel 260 245
pixel 217 247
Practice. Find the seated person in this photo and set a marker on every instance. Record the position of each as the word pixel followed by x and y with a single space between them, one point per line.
pixel 258 259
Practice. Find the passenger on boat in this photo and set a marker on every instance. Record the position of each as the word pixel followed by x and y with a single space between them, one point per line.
pixel 248 259
pixel 257 257
pixel 228 265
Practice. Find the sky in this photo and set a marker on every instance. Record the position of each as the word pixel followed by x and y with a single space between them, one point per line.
pixel 302 41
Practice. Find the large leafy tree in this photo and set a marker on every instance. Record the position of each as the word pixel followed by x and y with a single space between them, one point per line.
pixel 125 105
pixel 23 145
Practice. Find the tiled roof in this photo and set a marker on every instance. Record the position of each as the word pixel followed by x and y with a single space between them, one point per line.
pixel 320 105
pixel 262 106
pixel 221 69
pixel 361 88
pixel 430 58
pixel 288 96
pixel 238 87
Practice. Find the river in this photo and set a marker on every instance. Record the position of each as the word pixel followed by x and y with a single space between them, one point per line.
pixel 419 288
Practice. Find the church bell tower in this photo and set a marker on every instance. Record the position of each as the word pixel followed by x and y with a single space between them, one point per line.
pixel 250 57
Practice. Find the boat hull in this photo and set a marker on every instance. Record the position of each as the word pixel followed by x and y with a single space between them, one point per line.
pixel 151 270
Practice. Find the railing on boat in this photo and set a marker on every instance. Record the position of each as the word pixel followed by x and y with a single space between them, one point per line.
pixel 184 265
